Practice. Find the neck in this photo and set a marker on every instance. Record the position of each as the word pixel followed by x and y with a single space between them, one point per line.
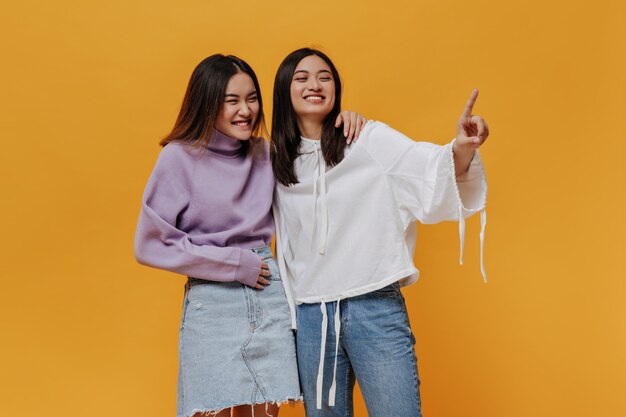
pixel 310 128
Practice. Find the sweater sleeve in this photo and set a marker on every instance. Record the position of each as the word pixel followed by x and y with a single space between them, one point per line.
pixel 159 243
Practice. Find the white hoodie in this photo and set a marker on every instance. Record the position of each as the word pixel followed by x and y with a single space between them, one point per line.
pixel 350 229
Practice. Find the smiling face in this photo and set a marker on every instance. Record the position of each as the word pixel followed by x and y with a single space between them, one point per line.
pixel 312 89
pixel 240 108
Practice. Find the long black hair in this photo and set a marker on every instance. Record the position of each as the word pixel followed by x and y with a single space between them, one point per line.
pixel 204 100
pixel 285 132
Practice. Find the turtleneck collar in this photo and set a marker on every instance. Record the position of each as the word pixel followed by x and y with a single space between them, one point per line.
pixel 224 145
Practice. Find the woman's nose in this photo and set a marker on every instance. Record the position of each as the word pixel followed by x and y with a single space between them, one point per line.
pixel 244 110
pixel 314 85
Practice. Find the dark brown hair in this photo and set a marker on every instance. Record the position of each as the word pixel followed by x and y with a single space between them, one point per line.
pixel 204 99
pixel 285 132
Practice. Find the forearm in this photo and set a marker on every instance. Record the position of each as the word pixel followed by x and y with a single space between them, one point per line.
pixel 161 245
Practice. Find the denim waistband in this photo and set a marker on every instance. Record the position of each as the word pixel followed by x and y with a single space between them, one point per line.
pixel 265 252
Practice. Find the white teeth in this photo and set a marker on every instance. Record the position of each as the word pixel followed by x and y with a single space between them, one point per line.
pixel 246 123
pixel 314 98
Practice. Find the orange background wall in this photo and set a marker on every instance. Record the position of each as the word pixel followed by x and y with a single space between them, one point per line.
pixel 88 88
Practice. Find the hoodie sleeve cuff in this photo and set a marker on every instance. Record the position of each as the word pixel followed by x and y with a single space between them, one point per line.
pixel 249 267
pixel 470 187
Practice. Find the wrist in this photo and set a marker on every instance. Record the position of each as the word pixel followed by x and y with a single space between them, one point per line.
pixel 463 150
pixel 463 156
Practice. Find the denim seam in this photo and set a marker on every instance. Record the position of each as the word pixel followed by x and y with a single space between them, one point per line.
pixel 349 393
pixel 255 391
pixel 413 357
pixel 416 382
pixel 252 307
pixel 253 373
pixel 258 319
pixel 248 308
pixel 255 313
pixel 182 344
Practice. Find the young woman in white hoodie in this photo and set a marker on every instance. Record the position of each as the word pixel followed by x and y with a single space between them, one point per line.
pixel 346 225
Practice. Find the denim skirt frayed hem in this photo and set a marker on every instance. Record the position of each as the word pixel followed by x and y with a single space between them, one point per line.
pixel 236 345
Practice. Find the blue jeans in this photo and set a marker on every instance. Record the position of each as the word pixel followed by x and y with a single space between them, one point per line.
pixel 375 347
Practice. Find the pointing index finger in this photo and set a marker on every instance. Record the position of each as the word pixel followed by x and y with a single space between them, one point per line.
pixel 467 112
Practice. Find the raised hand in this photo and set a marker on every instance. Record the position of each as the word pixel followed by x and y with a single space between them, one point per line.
pixel 471 130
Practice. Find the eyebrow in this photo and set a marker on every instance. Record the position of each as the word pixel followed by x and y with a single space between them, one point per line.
pixel 237 95
pixel 305 71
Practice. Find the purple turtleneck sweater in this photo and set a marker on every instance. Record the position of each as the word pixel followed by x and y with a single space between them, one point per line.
pixel 204 208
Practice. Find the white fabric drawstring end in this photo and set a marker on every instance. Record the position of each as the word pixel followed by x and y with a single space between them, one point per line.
pixel 333 387
pixel 320 371
pixel 321 163
pixel 324 228
pixel 461 232
pixel 483 223
pixel 323 211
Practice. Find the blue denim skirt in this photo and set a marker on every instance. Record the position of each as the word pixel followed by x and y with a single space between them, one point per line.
pixel 236 345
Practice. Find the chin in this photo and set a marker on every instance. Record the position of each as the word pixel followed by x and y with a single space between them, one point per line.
pixel 321 113
pixel 238 133
pixel 242 136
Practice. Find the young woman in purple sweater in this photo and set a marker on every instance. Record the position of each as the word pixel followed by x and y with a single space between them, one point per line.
pixel 207 214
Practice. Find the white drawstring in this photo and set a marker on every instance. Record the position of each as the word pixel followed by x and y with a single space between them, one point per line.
pixel 333 387
pixel 321 177
pixel 320 370
pixel 461 232
pixel 319 192
pixel 483 223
